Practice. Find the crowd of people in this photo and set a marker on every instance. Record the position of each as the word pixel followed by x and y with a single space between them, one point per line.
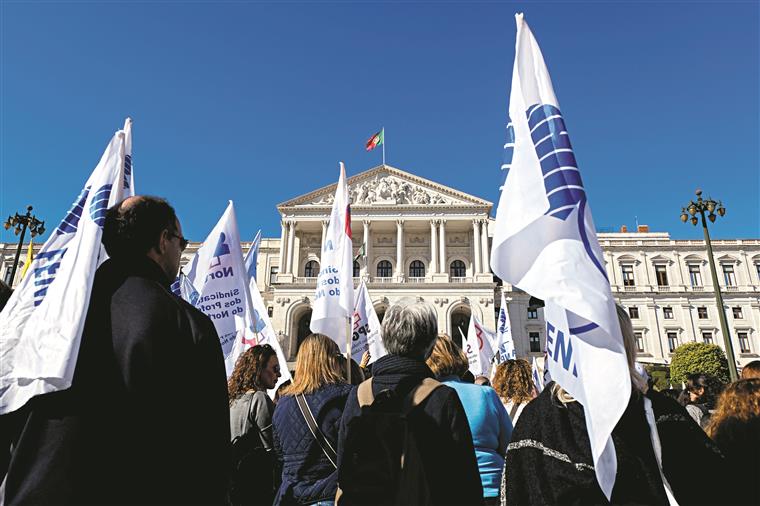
pixel 148 418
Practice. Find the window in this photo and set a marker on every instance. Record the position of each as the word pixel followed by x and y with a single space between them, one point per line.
pixel 417 269
pixel 532 313
pixel 628 275
pixel 311 269
pixel 728 275
pixel 535 342
pixel 661 271
pixel 639 341
pixel 695 275
pixel 273 271
pixel 667 313
pixel 707 337
pixel 743 342
pixel 737 310
pixel 672 341
pixel 270 311
pixel 702 313
pixel 384 269
pixel 633 312
pixel 457 269
pixel 757 268
pixel 357 269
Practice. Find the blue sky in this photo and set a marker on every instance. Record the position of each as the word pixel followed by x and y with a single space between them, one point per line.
pixel 258 101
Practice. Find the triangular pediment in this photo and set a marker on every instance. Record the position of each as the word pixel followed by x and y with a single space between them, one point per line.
pixel 385 186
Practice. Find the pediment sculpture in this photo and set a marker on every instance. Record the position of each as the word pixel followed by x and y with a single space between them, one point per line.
pixel 388 190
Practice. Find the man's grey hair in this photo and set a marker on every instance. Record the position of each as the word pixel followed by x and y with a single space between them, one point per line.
pixel 410 328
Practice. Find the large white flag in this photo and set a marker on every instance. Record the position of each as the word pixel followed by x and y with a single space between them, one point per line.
pixel 252 257
pixel 366 328
pixel 334 296
pixel 41 325
pixel 545 244
pixel 479 347
pixel 505 344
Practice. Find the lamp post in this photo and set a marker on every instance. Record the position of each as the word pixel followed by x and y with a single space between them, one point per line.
pixel 712 207
pixel 20 224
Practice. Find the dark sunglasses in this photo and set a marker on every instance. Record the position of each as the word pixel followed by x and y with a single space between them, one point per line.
pixel 182 241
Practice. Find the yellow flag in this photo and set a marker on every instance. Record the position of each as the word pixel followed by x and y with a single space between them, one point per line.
pixel 29 257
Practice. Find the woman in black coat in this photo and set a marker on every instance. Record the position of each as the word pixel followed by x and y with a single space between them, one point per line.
pixel 309 472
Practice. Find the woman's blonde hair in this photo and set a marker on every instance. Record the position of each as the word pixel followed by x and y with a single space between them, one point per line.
pixel 629 343
pixel 447 359
pixel 513 381
pixel 317 365
pixel 739 402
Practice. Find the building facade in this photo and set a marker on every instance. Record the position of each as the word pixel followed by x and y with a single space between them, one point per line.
pixel 422 239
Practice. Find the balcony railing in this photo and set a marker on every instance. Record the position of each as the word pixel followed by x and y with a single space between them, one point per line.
pixel 382 279
pixel 461 279
pixel 732 288
pixel 697 288
pixel 416 279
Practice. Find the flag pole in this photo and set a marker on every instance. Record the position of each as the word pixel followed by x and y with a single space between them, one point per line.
pixel 348 349
pixel 383 130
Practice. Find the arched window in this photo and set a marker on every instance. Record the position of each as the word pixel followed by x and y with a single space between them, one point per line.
pixel 457 269
pixel 357 269
pixel 311 269
pixel 417 269
pixel 384 269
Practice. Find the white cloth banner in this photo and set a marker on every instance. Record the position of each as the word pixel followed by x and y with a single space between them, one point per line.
pixel 366 328
pixel 252 257
pixel 334 296
pixel 505 344
pixel 479 347
pixel 545 244
pixel 537 382
pixel 41 325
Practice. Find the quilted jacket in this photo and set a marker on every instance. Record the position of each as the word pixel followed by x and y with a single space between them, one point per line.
pixel 307 474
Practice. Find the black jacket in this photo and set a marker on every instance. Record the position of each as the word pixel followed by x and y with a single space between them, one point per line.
pixel 146 419
pixel 440 428
pixel 549 458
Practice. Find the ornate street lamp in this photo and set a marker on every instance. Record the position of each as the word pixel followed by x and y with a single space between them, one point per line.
pixel 712 207
pixel 20 224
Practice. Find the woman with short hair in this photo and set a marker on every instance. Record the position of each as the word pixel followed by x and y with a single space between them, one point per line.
pixel 489 422
pixel 702 391
pixel 306 424
pixel 513 381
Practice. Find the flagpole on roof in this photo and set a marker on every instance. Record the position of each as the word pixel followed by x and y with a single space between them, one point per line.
pixel 382 130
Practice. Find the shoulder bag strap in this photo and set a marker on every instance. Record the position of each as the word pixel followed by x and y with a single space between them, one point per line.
pixel 364 393
pixel 327 448
pixel 514 409
pixel 420 393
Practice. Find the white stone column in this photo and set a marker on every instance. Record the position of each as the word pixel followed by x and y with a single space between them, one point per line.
pixel 324 233
pixel 283 245
pixel 291 245
pixel 399 248
pixel 433 247
pixel 476 268
pixel 442 248
pixel 486 258
pixel 365 265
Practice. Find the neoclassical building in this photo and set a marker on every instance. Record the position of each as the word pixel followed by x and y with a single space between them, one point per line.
pixel 426 240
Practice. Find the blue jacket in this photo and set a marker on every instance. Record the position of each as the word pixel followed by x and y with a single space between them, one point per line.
pixel 491 430
pixel 307 474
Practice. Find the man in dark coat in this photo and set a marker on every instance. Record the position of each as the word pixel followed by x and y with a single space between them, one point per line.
pixel 146 419
pixel 439 423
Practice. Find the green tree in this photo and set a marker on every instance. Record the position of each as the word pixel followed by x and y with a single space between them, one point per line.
pixel 693 358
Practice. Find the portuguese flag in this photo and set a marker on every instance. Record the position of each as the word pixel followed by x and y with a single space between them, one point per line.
pixel 375 140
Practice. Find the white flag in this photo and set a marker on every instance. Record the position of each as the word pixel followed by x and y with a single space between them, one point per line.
pixel 129 175
pixel 252 257
pixel 366 328
pixel 182 287
pixel 333 299
pixel 505 344
pixel 537 382
pixel 545 244
pixel 41 325
pixel 479 347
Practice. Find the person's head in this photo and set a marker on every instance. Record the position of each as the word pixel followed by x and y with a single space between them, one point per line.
pixel 483 381
pixel 317 365
pixel 357 374
pixel 513 381
pixel 703 389
pixel 143 226
pixel 739 402
pixel 751 370
pixel 447 359
pixel 409 329
pixel 256 368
